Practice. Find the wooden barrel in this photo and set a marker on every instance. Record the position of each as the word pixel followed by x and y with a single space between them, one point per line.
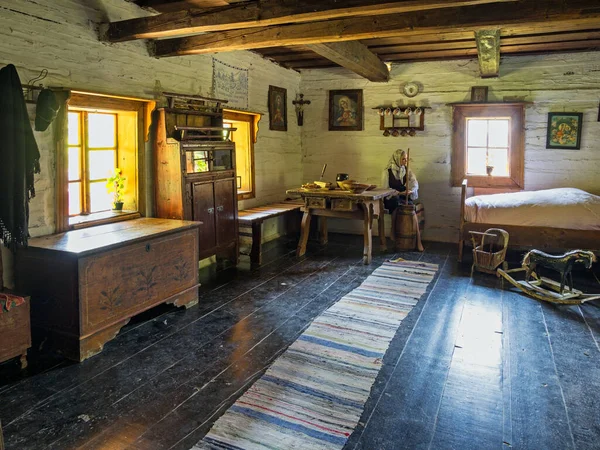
pixel 405 233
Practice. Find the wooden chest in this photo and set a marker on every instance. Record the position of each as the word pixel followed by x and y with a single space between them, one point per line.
pixel 86 284
pixel 15 332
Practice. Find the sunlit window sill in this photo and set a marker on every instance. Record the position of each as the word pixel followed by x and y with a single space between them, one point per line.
pixel 244 195
pixel 101 218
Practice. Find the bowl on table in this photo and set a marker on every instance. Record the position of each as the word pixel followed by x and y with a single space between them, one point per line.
pixel 323 184
pixel 346 184
pixel 310 186
pixel 354 186
pixel 358 188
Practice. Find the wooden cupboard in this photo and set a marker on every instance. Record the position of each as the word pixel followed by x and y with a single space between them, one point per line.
pixel 195 172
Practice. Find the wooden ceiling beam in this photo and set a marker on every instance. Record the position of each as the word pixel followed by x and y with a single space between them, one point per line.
pixel 488 52
pixel 538 16
pixel 436 54
pixel 384 50
pixel 354 56
pixel 265 13
pixel 552 46
pixel 505 49
pixel 178 5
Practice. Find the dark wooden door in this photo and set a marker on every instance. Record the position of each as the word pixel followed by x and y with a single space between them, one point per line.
pixel 203 210
pixel 225 207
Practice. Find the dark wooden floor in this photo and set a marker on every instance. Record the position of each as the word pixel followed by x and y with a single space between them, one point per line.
pixel 472 366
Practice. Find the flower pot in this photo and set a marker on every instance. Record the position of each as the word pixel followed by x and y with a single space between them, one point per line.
pixel 489 170
pixel 118 206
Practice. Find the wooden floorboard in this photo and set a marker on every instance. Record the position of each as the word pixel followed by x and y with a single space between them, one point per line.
pixel 539 418
pixel 471 366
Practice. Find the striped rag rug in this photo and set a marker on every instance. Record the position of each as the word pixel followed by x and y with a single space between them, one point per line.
pixel 313 395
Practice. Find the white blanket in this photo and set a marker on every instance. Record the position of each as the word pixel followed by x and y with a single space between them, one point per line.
pixel 558 208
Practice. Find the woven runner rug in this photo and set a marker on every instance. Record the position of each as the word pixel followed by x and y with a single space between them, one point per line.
pixel 313 395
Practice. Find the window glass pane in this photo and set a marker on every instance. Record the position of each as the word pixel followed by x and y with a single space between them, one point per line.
pixel 498 157
pixel 222 160
pixel 74 198
pixel 476 161
pixel 498 130
pixel 101 130
pixel 196 161
pixel 476 133
pixel 100 198
pixel 74 163
pixel 73 126
pixel 101 163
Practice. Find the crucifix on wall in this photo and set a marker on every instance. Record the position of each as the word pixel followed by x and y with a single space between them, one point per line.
pixel 299 104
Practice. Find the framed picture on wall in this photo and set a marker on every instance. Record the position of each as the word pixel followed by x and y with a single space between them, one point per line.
pixel 564 130
pixel 479 94
pixel 346 110
pixel 277 108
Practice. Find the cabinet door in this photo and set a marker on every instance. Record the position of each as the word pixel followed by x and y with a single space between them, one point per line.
pixel 203 210
pixel 225 206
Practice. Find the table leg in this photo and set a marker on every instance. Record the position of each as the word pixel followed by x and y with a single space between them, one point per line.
pixel 323 238
pixel 381 223
pixel 368 235
pixel 305 230
pixel 255 252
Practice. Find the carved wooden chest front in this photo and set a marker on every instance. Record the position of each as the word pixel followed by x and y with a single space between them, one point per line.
pixel 86 284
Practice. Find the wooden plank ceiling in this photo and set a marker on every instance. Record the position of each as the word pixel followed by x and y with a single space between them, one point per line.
pixel 362 35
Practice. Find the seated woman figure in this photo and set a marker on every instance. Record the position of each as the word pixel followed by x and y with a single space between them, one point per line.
pixel 396 177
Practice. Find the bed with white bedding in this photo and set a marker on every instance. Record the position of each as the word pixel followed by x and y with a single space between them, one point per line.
pixel 563 218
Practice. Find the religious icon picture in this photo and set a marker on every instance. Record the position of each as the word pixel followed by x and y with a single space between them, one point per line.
pixel 346 110
pixel 277 108
pixel 564 130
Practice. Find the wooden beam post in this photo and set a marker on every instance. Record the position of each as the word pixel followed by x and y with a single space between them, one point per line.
pixel 354 56
pixel 488 52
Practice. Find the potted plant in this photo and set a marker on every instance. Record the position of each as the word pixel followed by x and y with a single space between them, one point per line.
pixel 116 184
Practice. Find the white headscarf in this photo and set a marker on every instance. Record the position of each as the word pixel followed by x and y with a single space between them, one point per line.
pixel 395 163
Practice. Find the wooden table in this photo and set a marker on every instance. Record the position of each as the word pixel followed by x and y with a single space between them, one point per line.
pixel 86 284
pixel 343 205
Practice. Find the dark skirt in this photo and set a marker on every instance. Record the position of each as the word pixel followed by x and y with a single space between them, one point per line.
pixel 393 202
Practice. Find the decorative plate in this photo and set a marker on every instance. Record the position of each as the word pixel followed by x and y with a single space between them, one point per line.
pixel 411 89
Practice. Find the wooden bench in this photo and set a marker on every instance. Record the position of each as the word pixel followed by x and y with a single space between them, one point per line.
pixel 254 218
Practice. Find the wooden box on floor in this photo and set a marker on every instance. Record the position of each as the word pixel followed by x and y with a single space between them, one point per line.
pixel 15 333
pixel 86 284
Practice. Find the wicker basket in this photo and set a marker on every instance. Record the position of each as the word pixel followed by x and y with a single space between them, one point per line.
pixel 489 249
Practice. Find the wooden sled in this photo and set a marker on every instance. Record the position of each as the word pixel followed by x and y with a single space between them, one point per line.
pixel 545 289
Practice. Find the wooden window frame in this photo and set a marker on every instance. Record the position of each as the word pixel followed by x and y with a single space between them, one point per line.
pixel 102 102
pixel 252 119
pixel 516 151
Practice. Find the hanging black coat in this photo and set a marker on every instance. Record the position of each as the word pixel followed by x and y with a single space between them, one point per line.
pixel 19 160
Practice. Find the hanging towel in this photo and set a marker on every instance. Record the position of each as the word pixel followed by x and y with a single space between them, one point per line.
pixel 19 160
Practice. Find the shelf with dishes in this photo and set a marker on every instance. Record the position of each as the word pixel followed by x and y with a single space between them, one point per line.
pixel 401 121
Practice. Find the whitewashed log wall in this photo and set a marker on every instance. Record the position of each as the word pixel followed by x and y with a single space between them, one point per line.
pixel 62 36
pixel 555 83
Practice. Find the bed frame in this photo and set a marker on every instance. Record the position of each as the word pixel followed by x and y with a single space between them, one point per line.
pixel 546 238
